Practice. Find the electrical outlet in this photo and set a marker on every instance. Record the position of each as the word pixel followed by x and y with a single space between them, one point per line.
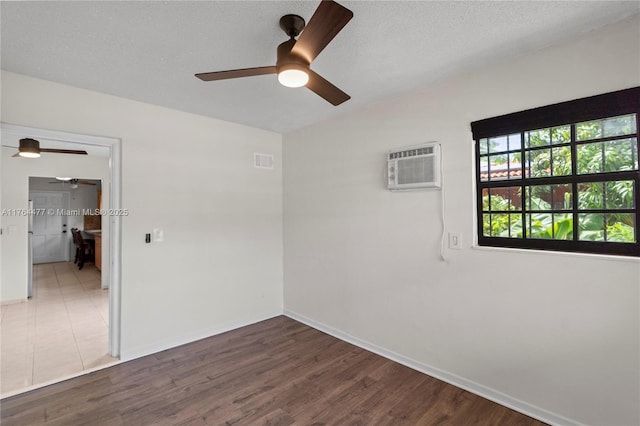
pixel 455 240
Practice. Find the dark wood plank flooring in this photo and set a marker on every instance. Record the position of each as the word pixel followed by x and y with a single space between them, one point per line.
pixel 276 372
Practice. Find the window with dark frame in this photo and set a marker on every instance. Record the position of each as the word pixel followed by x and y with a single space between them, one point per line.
pixel 562 177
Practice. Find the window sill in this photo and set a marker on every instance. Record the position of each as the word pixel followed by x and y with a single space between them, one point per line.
pixel 616 258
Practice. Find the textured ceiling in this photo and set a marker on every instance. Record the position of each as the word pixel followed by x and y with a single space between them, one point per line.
pixel 149 50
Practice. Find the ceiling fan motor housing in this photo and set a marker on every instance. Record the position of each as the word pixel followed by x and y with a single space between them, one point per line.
pixel 287 60
pixel 29 145
pixel 292 25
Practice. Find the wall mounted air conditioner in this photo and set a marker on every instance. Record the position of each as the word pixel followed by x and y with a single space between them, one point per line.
pixel 414 167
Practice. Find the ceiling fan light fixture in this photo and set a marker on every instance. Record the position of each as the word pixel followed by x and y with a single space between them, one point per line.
pixel 29 148
pixel 29 154
pixel 64 179
pixel 293 75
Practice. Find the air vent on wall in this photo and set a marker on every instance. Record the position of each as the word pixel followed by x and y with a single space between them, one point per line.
pixel 262 161
pixel 414 167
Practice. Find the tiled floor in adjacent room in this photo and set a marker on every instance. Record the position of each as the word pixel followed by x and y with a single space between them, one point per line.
pixel 62 330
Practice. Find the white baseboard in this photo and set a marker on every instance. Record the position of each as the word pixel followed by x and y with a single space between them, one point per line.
pixel 13 302
pixel 130 354
pixel 468 385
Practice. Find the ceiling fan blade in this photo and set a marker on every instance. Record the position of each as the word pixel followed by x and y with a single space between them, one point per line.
pixel 326 90
pixel 324 25
pixel 245 72
pixel 64 151
pixel 17 154
pixel 86 182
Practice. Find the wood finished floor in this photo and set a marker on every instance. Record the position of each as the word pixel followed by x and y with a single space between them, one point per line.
pixel 276 372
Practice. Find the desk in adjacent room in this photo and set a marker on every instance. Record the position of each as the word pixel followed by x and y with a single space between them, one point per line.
pixel 97 236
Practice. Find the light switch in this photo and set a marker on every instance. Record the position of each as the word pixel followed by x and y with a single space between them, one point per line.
pixel 158 235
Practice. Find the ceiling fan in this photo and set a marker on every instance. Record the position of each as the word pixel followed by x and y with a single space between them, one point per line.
pixel 73 182
pixel 294 57
pixel 30 148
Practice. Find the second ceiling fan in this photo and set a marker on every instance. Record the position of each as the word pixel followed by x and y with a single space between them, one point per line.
pixel 294 57
pixel 30 148
pixel 73 182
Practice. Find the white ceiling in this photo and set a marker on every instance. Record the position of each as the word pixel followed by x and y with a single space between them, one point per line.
pixel 149 50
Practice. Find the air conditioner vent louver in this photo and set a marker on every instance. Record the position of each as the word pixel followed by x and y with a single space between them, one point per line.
pixel 414 167
pixel 411 152
pixel 262 161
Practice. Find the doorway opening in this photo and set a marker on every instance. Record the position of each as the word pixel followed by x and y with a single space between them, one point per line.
pixel 105 275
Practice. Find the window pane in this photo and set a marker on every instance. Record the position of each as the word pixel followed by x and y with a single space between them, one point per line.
pixel 514 195
pixel 484 169
pixel 539 163
pixel 591 226
pixel 498 167
pixel 499 225
pixel 539 197
pixel 591 196
pixel 606 195
pixel 527 165
pixel 498 144
pixel 609 156
pixel 497 201
pixel 485 200
pixel 483 146
pixel 561 164
pixel 617 126
pixel 590 159
pixel 620 155
pixel 562 226
pixel 486 225
pixel 621 228
pixel 515 142
pixel 539 225
pixel 619 194
pixel 515 166
pixel 502 225
pixel 560 134
pixel 505 199
pixel 556 226
pixel 562 199
pixel 608 127
pixel 516 225
pixel 589 130
pixel 536 138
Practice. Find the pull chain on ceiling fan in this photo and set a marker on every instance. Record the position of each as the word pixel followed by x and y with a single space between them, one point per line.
pixel 294 57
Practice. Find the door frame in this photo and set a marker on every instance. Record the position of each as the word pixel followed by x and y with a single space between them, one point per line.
pixel 114 145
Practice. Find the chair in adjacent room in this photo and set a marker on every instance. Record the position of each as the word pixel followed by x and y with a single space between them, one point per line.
pixel 85 249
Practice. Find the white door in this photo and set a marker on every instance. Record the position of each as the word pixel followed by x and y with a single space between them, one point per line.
pixel 50 237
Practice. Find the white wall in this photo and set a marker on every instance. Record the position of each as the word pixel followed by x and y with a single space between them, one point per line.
pixel 555 335
pixel 220 265
pixel 14 184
